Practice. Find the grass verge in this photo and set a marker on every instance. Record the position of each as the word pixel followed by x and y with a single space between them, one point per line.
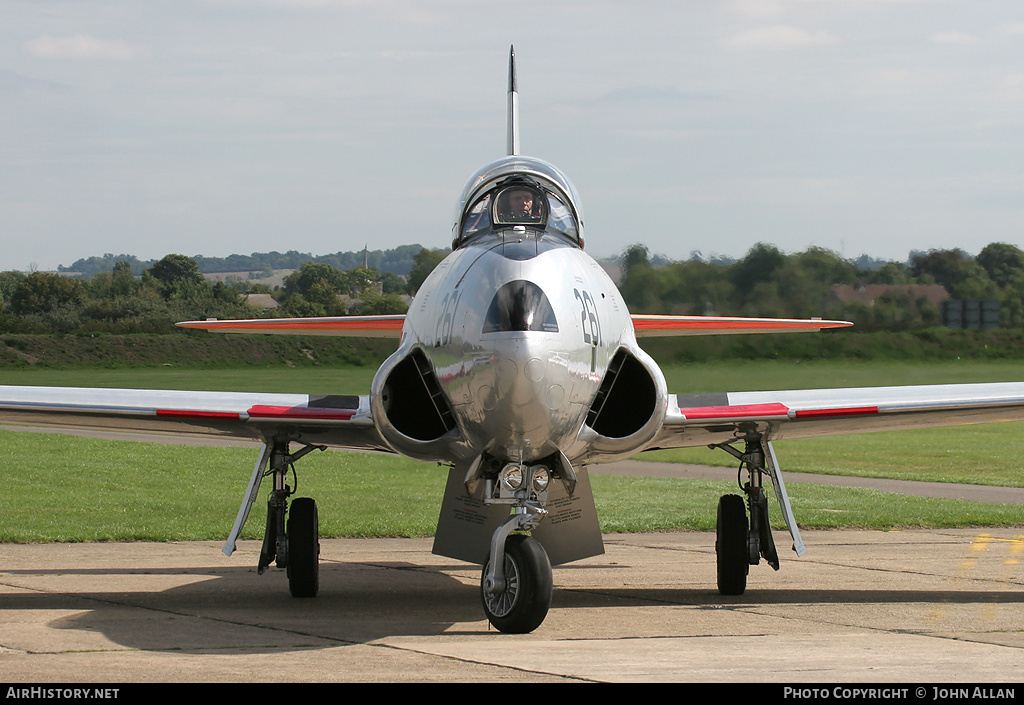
pixel 68 489
pixel 62 488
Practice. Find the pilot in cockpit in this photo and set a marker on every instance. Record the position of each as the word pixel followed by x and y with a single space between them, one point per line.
pixel 520 204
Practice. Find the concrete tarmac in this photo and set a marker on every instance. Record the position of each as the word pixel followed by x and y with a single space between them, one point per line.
pixel 925 607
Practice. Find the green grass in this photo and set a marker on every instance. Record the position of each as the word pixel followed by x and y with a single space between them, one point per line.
pixel 70 489
pixel 755 375
pixel 730 375
pixel 63 488
pixel 631 504
pixel 985 454
pixel 66 488
pixel 340 380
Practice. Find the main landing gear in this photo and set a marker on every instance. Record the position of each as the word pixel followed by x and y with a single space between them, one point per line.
pixel 292 537
pixel 516 583
pixel 740 544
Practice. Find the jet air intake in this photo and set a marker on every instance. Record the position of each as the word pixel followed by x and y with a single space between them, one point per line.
pixel 413 401
pixel 626 400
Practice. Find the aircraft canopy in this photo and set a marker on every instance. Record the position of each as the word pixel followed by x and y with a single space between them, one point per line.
pixel 518 192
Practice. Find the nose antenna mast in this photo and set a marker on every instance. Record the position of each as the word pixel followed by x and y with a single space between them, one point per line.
pixel 513 105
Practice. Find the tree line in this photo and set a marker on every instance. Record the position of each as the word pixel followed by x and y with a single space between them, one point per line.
pixel 767 282
pixel 174 289
pixel 398 260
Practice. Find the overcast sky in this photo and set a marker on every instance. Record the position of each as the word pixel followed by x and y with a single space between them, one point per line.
pixel 212 127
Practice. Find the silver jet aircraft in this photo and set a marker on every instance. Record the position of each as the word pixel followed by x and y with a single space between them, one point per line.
pixel 517 366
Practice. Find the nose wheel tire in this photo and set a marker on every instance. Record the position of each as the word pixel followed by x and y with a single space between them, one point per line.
pixel 731 545
pixel 522 603
pixel 303 548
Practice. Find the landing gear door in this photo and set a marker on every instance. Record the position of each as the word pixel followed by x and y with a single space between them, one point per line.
pixel 570 531
pixel 465 526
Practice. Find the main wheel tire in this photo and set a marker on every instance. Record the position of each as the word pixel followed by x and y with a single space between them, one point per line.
pixel 303 548
pixel 731 545
pixel 522 605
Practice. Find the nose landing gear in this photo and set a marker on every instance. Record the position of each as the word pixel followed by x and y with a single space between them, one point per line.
pixel 516 597
pixel 516 584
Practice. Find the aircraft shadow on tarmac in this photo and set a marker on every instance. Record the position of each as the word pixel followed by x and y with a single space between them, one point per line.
pixel 769 596
pixel 231 609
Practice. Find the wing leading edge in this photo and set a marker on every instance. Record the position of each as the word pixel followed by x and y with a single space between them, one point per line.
pixel 390 326
pixel 700 419
pixel 337 420
pixel 646 325
pixel 383 326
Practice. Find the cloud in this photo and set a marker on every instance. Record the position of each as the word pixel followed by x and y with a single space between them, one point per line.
pixel 780 37
pixel 82 48
pixel 961 38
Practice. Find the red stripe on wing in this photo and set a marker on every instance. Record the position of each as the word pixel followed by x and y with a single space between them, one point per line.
pixel 190 413
pixel 301 413
pixel 740 411
pixel 852 411
pixel 651 323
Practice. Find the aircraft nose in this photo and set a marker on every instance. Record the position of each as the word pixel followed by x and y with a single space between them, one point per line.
pixel 523 383
pixel 524 401
pixel 521 388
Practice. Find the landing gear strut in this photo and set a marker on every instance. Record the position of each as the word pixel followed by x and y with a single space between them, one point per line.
pixel 292 538
pixel 516 583
pixel 294 544
pixel 740 545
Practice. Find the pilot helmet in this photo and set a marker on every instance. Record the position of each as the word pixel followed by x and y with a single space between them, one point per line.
pixel 519 200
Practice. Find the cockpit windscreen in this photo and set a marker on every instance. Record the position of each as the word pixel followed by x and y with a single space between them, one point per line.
pixel 519 205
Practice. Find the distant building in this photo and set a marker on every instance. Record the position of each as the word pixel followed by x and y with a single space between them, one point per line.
pixel 869 293
pixel 976 314
pixel 263 302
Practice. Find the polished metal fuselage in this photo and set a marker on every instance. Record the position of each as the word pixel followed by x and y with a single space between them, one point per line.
pixel 519 395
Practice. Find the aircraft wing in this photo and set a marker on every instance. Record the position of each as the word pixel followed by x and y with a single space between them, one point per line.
pixel 390 325
pixel 382 326
pixel 649 325
pixel 342 421
pixel 701 419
